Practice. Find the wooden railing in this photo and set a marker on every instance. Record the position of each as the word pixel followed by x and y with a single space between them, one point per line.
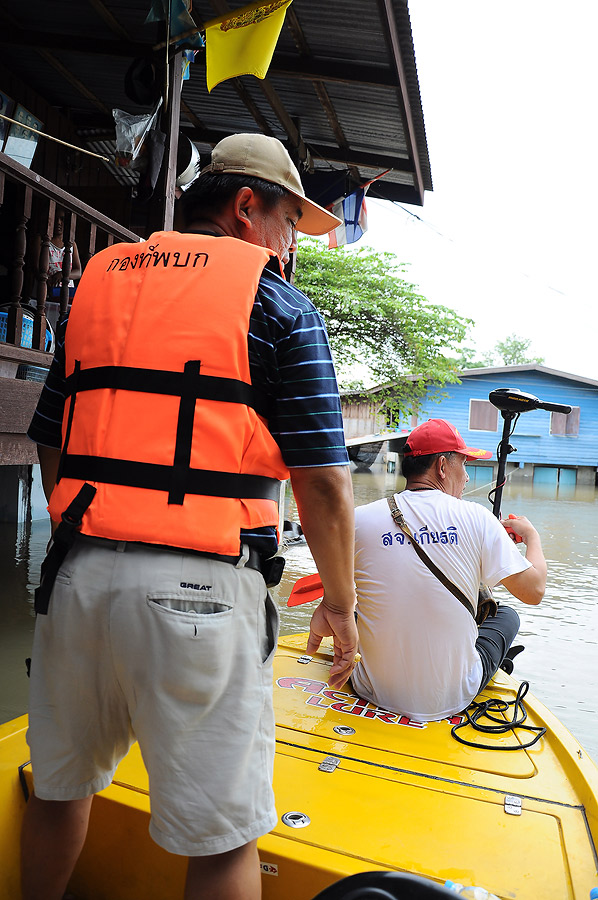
pixel 90 228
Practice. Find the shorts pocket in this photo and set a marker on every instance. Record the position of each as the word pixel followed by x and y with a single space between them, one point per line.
pixel 196 613
pixel 68 566
pixel 64 574
pixel 189 639
pixel 272 629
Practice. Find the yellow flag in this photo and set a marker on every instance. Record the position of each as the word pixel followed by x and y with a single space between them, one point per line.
pixel 243 41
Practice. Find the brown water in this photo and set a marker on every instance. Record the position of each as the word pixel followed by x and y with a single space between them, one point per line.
pixel 560 636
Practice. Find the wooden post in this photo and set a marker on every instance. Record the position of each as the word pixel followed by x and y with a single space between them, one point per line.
pixel 39 319
pixel 92 241
pixel 160 211
pixel 14 323
pixel 173 118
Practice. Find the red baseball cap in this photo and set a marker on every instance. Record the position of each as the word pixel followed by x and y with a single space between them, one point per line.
pixel 439 436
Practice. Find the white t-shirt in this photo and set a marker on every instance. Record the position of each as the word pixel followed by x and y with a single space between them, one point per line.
pixel 417 641
pixel 56 255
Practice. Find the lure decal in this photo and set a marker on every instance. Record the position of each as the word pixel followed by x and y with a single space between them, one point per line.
pixel 323 697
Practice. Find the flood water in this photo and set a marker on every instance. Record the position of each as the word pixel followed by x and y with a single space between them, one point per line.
pixel 560 636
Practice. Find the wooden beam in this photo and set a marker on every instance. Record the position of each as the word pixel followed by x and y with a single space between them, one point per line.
pixel 296 30
pixel 335 125
pixel 251 106
pixel 190 115
pixel 389 23
pixel 56 64
pixel 17 450
pixel 113 24
pixel 307 67
pixel 319 87
pixel 395 193
pixel 326 102
pixel 18 399
pixel 68 76
pixel 282 115
pixel 16 355
pixel 371 160
pixel 41 40
pixel 304 67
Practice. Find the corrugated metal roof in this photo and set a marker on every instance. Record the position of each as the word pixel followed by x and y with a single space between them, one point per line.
pixel 343 75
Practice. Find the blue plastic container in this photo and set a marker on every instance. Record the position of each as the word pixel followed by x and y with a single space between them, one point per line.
pixel 26 333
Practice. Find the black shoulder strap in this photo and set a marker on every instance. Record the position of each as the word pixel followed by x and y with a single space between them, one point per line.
pixel 62 541
pixel 399 520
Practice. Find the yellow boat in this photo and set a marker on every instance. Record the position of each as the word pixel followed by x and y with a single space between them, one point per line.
pixel 359 789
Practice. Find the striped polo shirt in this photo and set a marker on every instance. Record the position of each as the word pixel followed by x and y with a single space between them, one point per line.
pixel 290 362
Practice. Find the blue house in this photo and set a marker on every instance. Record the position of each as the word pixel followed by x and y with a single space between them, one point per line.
pixel 551 447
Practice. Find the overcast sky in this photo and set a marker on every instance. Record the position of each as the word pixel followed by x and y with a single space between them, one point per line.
pixel 508 237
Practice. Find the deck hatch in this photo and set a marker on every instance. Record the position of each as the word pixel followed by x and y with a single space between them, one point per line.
pixel 329 764
pixel 512 805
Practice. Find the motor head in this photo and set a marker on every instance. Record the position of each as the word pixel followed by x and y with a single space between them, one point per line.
pixel 512 400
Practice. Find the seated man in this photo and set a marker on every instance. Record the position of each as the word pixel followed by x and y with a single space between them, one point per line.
pixel 422 653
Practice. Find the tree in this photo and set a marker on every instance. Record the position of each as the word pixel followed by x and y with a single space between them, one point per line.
pixel 513 351
pixel 380 327
pixel 510 352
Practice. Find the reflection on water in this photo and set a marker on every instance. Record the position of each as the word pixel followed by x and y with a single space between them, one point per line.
pixel 22 549
pixel 560 636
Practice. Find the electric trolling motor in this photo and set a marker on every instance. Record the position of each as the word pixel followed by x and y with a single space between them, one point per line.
pixel 511 402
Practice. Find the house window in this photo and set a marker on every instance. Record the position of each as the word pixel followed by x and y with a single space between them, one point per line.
pixel 565 423
pixel 483 416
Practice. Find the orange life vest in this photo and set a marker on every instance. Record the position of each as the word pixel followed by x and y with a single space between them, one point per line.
pixel 161 417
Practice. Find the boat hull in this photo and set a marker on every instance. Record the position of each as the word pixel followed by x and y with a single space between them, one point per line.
pixel 379 791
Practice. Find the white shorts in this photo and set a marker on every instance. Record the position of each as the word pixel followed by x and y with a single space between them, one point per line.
pixel 173 650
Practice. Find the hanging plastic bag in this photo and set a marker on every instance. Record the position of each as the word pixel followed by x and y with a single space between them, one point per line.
pixel 131 132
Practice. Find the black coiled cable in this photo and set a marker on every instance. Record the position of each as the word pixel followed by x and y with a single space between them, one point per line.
pixel 500 726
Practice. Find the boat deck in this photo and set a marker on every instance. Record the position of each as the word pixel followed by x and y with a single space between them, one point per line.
pixel 409 797
pixel 369 789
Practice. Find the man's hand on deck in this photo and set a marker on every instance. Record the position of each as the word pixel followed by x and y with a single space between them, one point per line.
pixel 341 626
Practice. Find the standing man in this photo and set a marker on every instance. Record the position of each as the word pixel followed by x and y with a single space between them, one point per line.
pixel 422 653
pixel 191 380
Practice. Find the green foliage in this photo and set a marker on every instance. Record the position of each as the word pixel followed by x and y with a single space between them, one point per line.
pixel 468 359
pixel 510 352
pixel 379 326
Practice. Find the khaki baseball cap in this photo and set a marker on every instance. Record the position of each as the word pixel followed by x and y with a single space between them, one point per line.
pixel 265 157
